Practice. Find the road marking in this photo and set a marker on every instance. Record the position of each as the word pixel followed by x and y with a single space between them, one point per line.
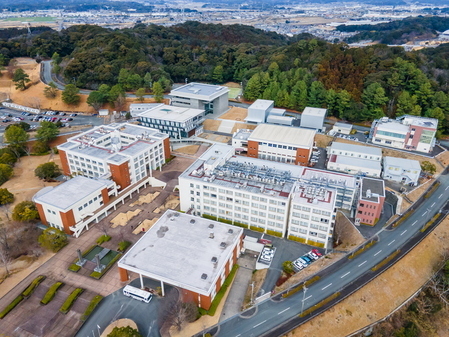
pixel 391 242
pixel 361 264
pixel 238 335
pixel 327 286
pixel 414 223
pixel 346 274
pixel 446 188
pixel 378 252
pixel 307 298
pixel 433 205
pixel 440 195
pixel 424 213
pixel 259 324
pixel 281 312
pixel 403 232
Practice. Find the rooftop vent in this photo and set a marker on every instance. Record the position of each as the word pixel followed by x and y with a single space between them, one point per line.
pixel 223 245
pixel 211 225
pixel 211 235
pixel 192 221
pixel 204 276
pixel 214 259
pixel 230 231
pixel 176 214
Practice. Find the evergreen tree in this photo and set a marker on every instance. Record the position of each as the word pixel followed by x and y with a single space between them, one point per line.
pixel 158 92
pixel 217 75
pixel 317 96
pixel 70 95
pixel 20 78
pixel 407 105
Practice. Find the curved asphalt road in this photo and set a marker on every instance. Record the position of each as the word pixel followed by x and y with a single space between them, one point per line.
pixel 272 314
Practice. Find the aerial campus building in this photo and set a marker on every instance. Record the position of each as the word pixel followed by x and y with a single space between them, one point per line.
pixel 371 201
pixel 191 253
pixel 260 194
pixel 207 97
pixel 402 170
pixel 406 132
pixel 284 144
pixel 313 118
pixel 126 153
pixel 177 122
pixel 263 111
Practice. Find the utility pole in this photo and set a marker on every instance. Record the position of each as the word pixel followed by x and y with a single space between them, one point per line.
pixel 303 297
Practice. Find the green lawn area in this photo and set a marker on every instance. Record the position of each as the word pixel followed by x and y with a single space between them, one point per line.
pixel 34 19
pixel 234 92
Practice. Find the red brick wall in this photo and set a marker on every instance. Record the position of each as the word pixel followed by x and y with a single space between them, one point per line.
pixel 167 151
pixel 120 174
pixel 302 156
pixel 68 219
pixel 123 274
pixel 105 195
pixel 64 162
pixel 253 149
pixel 41 211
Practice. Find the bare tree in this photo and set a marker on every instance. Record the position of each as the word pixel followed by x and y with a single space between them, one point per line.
pixel 104 226
pixel 5 259
pixel 4 238
pixel 174 312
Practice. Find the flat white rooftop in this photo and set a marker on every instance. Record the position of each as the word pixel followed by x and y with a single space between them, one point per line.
pixel 285 135
pixel 171 113
pixel 317 112
pixel 393 126
pixel 316 197
pixel 206 92
pixel 368 150
pixel 409 164
pixel 261 104
pixel 359 162
pixel 70 192
pixel 178 250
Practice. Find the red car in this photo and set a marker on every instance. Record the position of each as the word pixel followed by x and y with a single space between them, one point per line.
pixel 317 252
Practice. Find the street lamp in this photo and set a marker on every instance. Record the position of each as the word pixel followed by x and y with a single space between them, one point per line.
pixel 252 293
pixel 303 297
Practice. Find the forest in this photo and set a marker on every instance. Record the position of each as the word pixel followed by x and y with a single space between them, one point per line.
pixel 354 84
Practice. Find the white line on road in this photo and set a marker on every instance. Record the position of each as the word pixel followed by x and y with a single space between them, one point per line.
pixel 281 312
pixel 238 335
pixel 433 205
pixel 361 264
pixel 440 195
pixel 446 188
pixel 378 252
pixel 307 298
pixel 346 274
pixel 424 213
pixel 259 324
pixel 391 242
pixel 327 286
pixel 414 223
pixel 403 232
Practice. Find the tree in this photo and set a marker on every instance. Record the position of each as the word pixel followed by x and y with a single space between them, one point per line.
pixel 40 147
pixel 125 331
pixel 428 167
pixel 22 124
pixel 96 99
pixel 317 95
pixel 47 171
pixel 113 95
pixel 6 172
pixel 57 59
pixel 16 137
pixel 47 132
pixel 374 97
pixel 287 267
pixel 158 92
pixel 147 81
pixel 51 91
pixel 70 95
pixel 53 239
pixel 174 312
pixel 25 211
pixel 407 105
pixel 6 197
pixel 140 93
pixel 128 116
pixel 217 75
pixel 20 78
pixel 5 259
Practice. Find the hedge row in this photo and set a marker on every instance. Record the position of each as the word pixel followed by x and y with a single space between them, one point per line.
pixel 11 306
pixel 320 304
pixel 103 238
pixel 51 292
pixel 361 250
pixel 300 286
pixel 386 260
pixel 90 308
pixel 30 289
pixel 430 222
pixel 65 307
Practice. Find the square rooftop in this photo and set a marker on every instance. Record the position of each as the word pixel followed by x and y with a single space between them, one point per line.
pixel 285 135
pixel 207 92
pixel 178 250
pixel 171 113
pixel 372 189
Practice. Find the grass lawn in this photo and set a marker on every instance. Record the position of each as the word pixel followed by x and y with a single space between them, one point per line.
pixel 34 19
pixel 234 92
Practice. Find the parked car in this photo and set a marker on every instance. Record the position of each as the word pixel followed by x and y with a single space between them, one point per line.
pixel 312 255
pixel 308 259
pixel 6 121
pixel 317 252
pixel 73 115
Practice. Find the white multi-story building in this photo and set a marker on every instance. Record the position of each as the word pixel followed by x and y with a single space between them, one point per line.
pixel 355 159
pixel 65 205
pixel 402 170
pixel 207 97
pixel 253 192
pixel 175 121
pixel 126 153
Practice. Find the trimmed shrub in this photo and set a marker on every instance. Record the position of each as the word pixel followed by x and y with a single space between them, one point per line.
pixel 30 289
pixel 274 233
pixel 51 292
pixel 103 238
pixel 11 306
pixel 90 308
pixel 123 245
pixel 65 307
pixel 74 267
pixel 257 229
pixel 361 250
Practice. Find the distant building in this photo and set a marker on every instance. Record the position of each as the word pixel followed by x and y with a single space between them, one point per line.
pixel 263 111
pixel 136 108
pixel 126 153
pixel 188 252
pixel 240 140
pixel 371 201
pixel 284 144
pixel 65 205
pixel 405 171
pixel 342 128
pixel 355 159
pixel 406 132
pixel 175 121
pixel 313 118
pixel 207 97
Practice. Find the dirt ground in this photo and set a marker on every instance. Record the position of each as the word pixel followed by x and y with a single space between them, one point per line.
pixel 235 114
pixel 190 149
pixel 385 293
pixel 122 219
pixel 346 233
pixel 239 126
pixel 211 124
pixel 145 199
pixel 257 278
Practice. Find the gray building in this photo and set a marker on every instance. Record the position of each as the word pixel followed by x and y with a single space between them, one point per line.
pixel 207 97
pixel 313 118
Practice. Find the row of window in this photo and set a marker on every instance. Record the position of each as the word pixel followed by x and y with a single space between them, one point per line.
pixel 309 225
pixel 90 202
pixel 285 147
pixel 360 155
pixel 304 231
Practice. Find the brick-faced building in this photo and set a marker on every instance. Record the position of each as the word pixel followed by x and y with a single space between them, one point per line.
pixel 125 153
pixel 371 201
pixel 191 253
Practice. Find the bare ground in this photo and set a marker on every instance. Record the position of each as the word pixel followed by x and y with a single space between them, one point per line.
pixel 346 233
pixel 235 114
pixel 257 278
pixel 190 149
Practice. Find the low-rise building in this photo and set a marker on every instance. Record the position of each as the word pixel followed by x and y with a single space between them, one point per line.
pixel 342 128
pixel 412 133
pixel 67 204
pixel 188 252
pixel 284 144
pixel 137 108
pixel 355 159
pixel 207 97
pixel 126 153
pixel 258 111
pixel 175 121
pixel 313 118
pixel 371 201
pixel 402 170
